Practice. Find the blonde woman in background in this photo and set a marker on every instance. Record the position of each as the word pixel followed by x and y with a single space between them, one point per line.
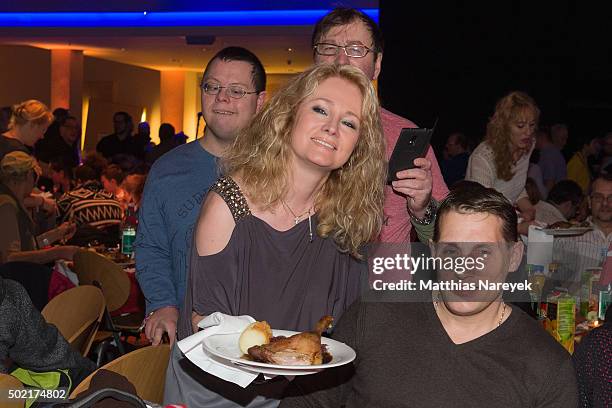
pixel 501 161
pixel 28 124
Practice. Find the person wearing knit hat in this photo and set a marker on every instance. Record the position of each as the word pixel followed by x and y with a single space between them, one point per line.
pixel 17 164
pixel 18 175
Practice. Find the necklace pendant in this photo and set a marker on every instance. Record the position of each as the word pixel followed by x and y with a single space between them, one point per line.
pixel 296 220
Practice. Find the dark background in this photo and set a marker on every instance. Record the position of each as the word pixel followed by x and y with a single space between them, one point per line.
pixel 455 60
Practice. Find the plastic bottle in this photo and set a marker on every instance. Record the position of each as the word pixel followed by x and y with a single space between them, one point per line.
pixel 128 231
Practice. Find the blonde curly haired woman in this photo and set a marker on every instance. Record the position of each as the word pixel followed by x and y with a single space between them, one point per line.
pixel 280 236
pixel 501 161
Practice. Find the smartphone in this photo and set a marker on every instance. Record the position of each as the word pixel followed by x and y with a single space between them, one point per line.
pixel 411 144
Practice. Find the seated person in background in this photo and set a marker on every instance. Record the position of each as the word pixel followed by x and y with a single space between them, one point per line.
pixel 577 253
pixel 578 168
pixel 465 348
pixel 19 241
pixel 29 342
pixel 501 161
pixel 563 201
pixel 133 185
pixel 166 143
pixel 453 167
pixel 96 162
pixel 594 366
pixel 112 177
pixel 89 203
pixel 62 176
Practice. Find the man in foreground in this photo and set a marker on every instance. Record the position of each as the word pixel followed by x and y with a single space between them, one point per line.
pixel 463 348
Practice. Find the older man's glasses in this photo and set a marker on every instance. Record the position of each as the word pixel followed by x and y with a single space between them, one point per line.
pixel 600 198
pixel 234 91
pixel 352 50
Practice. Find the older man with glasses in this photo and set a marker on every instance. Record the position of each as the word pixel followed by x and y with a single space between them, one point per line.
pixel 577 253
pixel 347 36
pixel 233 90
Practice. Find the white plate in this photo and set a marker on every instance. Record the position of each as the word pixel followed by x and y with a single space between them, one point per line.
pixel 566 231
pixel 274 371
pixel 226 347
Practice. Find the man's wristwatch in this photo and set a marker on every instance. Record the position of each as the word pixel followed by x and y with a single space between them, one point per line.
pixel 430 213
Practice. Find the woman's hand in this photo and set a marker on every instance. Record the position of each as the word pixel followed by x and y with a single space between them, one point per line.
pixel 195 319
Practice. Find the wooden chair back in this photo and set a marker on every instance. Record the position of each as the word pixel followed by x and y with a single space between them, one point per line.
pixel 77 313
pixel 8 382
pixel 145 368
pixel 92 267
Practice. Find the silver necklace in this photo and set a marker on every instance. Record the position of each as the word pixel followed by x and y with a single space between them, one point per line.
pixel 501 319
pixel 297 218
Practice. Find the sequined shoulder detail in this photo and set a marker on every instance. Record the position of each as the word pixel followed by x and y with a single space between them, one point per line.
pixel 227 188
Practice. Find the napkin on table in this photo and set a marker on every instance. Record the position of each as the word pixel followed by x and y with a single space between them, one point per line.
pixel 217 323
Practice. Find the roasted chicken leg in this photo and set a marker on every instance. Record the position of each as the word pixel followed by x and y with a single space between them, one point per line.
pixel 299 349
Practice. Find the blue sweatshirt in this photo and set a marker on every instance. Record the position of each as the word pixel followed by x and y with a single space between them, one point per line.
pixel 173 195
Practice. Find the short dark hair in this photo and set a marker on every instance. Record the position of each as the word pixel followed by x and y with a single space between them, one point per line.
pixel 602 177
pixel 565 190
pixel 469 197
pixel 258 73
pixel 62 121
pixel 126 116
pixel 85 173
pixel 342 16
pixel 59 164
pixel 166 131
pixel 114 172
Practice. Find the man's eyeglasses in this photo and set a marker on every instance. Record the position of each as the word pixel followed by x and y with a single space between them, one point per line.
pixel 600 198
pixel 352 50
pixel 234 91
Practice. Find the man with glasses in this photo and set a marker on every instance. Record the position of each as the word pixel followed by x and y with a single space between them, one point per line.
pixel 233 90
pixel 577 253
pixel 348 36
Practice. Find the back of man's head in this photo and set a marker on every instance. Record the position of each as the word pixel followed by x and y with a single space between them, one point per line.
pixel 344 16
pixel 258 72
pixel 468 197
pixel 166 132
pixel 84 174
pixel 564 191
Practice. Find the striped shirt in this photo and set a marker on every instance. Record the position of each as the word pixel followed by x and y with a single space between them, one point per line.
pixel 577 253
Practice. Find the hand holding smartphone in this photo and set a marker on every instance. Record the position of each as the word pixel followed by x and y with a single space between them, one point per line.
pixel 411 144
